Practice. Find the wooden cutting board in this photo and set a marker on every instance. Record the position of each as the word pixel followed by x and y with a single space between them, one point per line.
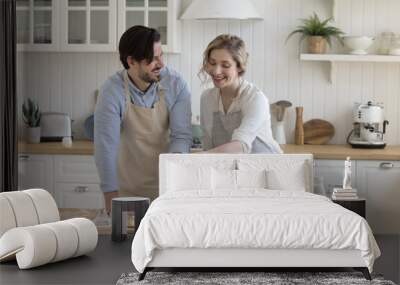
pixel 317 131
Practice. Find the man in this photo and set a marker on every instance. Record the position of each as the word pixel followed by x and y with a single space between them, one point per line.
pixel 141 112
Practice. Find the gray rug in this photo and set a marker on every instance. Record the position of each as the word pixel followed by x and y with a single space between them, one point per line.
pixel 243 278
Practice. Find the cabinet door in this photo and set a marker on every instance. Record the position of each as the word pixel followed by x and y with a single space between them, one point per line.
pixel 378 182
pixel 88 25
pixel 37 25
pixel 331 172
pixel 79 195
pixel 35 171
pixel 75 168
pixel 159 14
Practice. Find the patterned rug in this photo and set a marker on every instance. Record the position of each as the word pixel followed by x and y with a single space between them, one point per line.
pixel 244 278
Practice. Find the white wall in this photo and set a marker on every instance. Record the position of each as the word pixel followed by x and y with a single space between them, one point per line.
pixel 66 82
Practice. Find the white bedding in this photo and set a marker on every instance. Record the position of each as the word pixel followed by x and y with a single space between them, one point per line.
pixel 251 218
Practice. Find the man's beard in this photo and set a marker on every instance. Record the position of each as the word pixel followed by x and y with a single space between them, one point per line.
pixel 147 78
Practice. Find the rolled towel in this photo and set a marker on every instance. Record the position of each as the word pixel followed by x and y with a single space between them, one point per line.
pixel 41 244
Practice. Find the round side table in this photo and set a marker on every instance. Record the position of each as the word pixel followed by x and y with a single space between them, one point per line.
pixel 122 208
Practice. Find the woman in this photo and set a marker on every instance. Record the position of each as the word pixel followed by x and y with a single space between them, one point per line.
pixel 235 115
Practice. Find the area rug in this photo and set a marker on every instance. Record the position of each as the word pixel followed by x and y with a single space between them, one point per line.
pixel 244 278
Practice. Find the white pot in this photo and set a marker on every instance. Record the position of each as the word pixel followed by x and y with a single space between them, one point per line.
pixel 33 135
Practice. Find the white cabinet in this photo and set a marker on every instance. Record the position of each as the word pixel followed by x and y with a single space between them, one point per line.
pixel 88 25
pixel 71 179
pixel 37 25
pixel 93 25
pixel 378 182
pixel 77 182
pixel 331 172
pixel 159 14
pixel 35 171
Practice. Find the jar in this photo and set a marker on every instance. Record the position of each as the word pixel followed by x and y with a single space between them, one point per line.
pixel 395 45
pixel 385 42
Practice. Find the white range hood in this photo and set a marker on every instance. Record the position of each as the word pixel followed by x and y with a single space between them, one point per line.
pixel 221 9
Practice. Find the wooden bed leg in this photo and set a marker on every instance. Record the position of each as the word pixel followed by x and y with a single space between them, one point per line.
pixel 142 275
pixel 364 271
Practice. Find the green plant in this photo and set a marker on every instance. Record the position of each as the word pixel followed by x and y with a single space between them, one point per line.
pixel 313 26
pixel 31 113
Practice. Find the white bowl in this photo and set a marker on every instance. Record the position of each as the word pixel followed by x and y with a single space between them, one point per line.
pixel 358 45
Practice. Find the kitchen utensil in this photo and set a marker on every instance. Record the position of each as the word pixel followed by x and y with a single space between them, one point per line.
pixel 278 131
pixel 317 131
pixel 358 45
pixel 299 131
pixel 281 107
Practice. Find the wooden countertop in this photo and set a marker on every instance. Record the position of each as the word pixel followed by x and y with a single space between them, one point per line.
pixel 319 151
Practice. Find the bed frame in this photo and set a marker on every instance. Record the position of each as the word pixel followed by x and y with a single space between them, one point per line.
pixel 246 259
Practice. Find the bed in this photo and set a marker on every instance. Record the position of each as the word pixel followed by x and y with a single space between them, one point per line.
pixel 246 211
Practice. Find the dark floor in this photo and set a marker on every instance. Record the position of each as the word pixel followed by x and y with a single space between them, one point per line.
pixel 110 260
pixel 103 266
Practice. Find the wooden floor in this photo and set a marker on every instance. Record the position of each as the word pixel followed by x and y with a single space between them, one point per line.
pixel 111 259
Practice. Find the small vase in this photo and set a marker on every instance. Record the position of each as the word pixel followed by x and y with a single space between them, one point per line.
pixel 33 135
pixel 316 44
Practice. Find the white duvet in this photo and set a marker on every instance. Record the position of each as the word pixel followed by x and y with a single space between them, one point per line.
pixel 252 218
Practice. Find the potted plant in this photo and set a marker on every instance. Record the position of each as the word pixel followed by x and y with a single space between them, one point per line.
pixel 318 33
pixel 31 115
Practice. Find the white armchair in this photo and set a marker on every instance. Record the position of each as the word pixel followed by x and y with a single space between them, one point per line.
pixel 31 230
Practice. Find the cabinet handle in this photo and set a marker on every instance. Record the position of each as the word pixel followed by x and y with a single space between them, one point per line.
pixel 81 189
pixel 24 157
pixel 386 165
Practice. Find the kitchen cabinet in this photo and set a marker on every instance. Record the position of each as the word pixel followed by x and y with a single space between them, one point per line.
pixel 378 182
pixel 35 171
pixel 93 25
pixel 88 25
pixel 159 14
pixel 71 179
pixel 331 172
pixel 37 25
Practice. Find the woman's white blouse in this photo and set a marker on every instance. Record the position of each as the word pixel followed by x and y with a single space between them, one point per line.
pixel 256 118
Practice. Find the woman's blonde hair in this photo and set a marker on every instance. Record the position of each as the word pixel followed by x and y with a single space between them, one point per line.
pixel 234 45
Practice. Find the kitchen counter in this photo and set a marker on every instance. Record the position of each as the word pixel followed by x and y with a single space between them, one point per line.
pixel 330 151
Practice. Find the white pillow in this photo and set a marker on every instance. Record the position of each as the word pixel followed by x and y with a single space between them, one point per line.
pixel 293 180
pixel 251 178
pixel 223 179
pixel 183 177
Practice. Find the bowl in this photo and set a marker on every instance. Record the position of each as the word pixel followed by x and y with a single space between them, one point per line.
pixel 358 44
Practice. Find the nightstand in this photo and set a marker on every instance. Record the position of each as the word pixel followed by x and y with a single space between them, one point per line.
pixel 357 205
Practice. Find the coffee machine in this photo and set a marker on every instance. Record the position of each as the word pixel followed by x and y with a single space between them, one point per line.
pixel 369 126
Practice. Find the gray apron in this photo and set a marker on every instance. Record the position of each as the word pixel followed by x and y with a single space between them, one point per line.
pixel 223 127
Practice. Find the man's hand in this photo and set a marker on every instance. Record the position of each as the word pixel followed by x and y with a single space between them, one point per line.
pixel 107 200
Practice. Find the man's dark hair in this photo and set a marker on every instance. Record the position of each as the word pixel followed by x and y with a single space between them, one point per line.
pixel 138 42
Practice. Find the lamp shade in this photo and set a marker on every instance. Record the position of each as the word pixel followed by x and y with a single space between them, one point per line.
pixel 221 9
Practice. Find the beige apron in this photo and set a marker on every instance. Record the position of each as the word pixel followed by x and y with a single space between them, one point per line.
pixel 144 135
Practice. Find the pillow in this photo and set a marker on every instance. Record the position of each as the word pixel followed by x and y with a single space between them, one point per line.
pixel 251 178
pixel 183 177
pixel 293 180
pixel 223 179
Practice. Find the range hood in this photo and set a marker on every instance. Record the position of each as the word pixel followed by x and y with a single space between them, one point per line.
pixel 221 9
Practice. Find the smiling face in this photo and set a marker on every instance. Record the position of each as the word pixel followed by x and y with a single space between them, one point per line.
pixel 222 68
pixel 145 73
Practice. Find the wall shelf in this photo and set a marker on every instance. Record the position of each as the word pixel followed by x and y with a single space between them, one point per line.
pixel 333 58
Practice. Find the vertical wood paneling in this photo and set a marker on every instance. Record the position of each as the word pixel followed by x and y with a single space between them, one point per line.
pixel 65 82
